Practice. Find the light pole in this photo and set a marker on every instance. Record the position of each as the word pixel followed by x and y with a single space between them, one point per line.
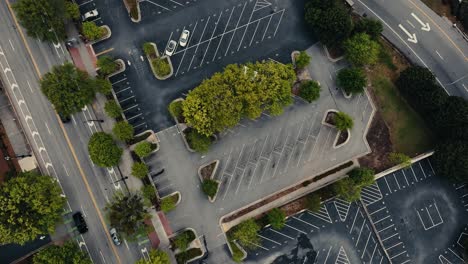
pixel 17 156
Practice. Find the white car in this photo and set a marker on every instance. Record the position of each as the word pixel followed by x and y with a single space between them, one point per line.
pixel 114 236
pixel 171 46
pixel 90 15
pixel 184 38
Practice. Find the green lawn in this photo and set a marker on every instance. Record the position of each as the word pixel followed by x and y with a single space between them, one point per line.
pixel 408 132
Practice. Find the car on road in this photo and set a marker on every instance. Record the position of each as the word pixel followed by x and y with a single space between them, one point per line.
pixel 80 223
pixel 184 38
pixel 64 118
pixel 90 15
pixel 115 236
pixel 171 46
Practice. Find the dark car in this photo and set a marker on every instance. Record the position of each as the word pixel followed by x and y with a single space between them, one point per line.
pixel 64 119
pixel 80 222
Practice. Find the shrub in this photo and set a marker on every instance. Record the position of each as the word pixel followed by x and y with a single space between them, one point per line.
pixel 347 189
pixel 399 159
pixel 246 234
pixel 360 49
pixel 187 255
pixel 148 49
pixel 92 32
pixel 362 176
pixel 103 86
pixel 123 131
pixel 72 10
pixel 169 203
pixel 175 108
pixel 451 160
pixel 277 218
pixel 107 65
pixel 103 150
pixel 302 60
pixel 309 90
pixel 343 121
pixel 313 202
pixel 161 66
pixel 237 254
pixel 140 170
pixel 183 240
pixel 148 193
pixel 352 80
pixel 210 187
pixel 143 149
pixel 134 12
pixel 198 142
pixel 113 109
pixel 370 26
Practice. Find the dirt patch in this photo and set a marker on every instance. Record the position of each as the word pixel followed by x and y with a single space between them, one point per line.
pixel 330 118
pixel 343 136
pixel 207 170
pixel 8 168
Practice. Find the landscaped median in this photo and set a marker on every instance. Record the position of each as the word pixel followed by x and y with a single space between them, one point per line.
pixel 160 65
pixel 186 246
pixel 133 9
pixel 210 186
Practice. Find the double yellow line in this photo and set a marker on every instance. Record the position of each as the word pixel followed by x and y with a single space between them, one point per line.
pixel 88 188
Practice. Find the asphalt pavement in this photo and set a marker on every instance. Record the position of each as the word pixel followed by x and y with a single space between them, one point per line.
pixel 425 38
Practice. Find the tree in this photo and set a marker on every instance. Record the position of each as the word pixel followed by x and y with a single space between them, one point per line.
pixel 42 19
pixel 126 213
pixel 343 121
pixel 198 142
pixel 399 159
pixel 143 149
pixel 31 205
pixel 161 66
pixel 239 91
pixel 277 218
pixel 72 10
pixel 103 150
pixel 92 32
pixel 148 49
pixel 103 86
pixel 210 187
pixel 67 253
pixel 175 108
pixel 302 60
pixel 352 80
pixel 452 119
pixel 182 241
pixel 156 256
pixel 113 109
pixel 370 26
pixel 168 203
pixel 313 202
pixel 347 189
pixel 451 160
pixel 106 65
pixel 140 170
pixel 360 50
pixel 309 90
pixel 68 88
pixel 246 234
pixel 148 193
pixel 123 131
pixel 362 176
pixel 328 20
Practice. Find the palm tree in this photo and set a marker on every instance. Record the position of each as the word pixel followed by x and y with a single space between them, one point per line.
pixel 126 213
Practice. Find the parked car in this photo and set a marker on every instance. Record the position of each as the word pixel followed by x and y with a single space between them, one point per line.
pixel 80 222
pixel 171 46
pixel 90 15
pixel 115 236
pixel 184 37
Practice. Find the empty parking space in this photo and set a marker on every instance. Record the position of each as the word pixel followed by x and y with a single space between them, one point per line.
pixel 150 8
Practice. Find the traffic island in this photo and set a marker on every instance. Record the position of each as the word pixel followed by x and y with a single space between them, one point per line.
pixel 170 202
pixel 105 33
pixel 210 186
pixel 160 65
pixel 133 9
pixel 186 246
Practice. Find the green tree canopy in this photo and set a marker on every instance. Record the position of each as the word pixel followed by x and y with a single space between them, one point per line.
pixel 309 90
pixel 352 80
pixel 31 205
pixel 140 170
pixel 328 20
pixel 103 150
pixel 313 202
pixel 452 119
pixel 343 121
pixel 68 88
pixel 156 256
pixel 246 233
pixel 451 160
pixel 362 176
pixel 360 49
pixel 112 109
pixel 277 218
pixel 103 86
pixel 371 27
pixel 123 131
pixel 126 213
pixel 68 253
pixel 347 189
pixel 210 187
pixel 198 142
pixel 143 149
pixel 91 31
pixel 42 19
pixel 240 91
pixel 72 10
pixel 302 60
pixel 106 65
pixel 399 159
pixel 175 108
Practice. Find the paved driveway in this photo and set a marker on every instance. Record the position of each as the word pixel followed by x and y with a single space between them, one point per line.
pixel 222 32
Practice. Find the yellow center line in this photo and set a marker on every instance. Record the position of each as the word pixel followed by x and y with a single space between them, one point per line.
pixel 443 32
pixel 66 135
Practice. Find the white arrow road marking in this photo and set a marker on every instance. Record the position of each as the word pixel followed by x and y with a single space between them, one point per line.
pixel 411 37
pixel 81 244
pixel 425 26
pixel 42 149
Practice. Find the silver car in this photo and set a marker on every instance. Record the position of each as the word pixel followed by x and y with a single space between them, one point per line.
pixel 90 15
pixel 184 38
pixel 171 46
pixel 114 236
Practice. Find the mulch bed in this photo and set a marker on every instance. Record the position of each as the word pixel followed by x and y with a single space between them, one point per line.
pixel 330 118
pixel 7 167
pixel 378 137
pixel 207 170
pixel 342 137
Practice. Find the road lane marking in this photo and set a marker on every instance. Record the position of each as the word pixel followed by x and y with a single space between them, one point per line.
pixel 439 55
pixel 45 123
pixel 425 26
pixel 11 44
pixel 411 37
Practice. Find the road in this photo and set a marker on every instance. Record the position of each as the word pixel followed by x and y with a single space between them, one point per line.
pixel 60 149
pixel 425 38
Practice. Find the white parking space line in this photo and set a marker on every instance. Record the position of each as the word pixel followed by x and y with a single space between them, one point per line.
pixel 415 173
pixel 253 36
pixel 354 221
pixel 123 90
pixel 396 180
pixel 121 80
pixel 390 226
pixel 185 50
pixel 135 116
pixel 211 38
pixel 84 3
pixel 387 238
pixel 266 29
pixel 269 239
pixel 198 45
pixel 223 34
pixel 298 230
pixel 360 232
pixel 388 216
pixel 378 210
pixel 131 107
pixel 163 7
pixel 232 37
pixel 425 176
pixel 246 28
pixel 401 253
pixel 175 2
pixel 365 247
pixel 328 254
pixel 281 234
pixel 276 30
pixel 307 223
